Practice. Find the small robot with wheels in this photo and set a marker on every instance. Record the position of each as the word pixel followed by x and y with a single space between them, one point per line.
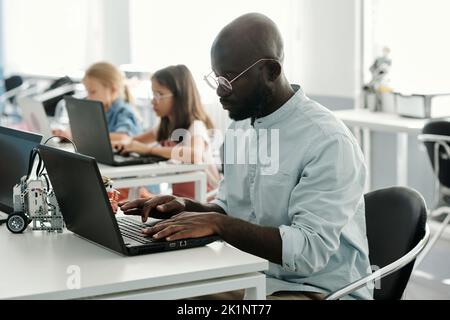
pixel 35 202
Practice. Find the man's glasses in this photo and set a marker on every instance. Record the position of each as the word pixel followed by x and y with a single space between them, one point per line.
pixel 158 97
pixel 225 84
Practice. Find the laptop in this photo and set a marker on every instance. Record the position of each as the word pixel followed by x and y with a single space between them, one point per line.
pixel 15 146
pixel 87 211
pixel 91 136
pixel 34 115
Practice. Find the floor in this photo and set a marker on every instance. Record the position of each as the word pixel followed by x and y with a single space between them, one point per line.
pixel 431 279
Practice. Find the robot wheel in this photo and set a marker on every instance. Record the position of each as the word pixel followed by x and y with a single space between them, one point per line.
pixel 17 222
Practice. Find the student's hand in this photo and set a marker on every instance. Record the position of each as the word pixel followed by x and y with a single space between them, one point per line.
pixel 119 137
pixel 117 145
pixel 132 146
pixel 159 207
pixel 62 133
pixel 187 225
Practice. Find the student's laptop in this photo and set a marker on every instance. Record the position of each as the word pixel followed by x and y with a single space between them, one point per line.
pixel 91 136
pixel 87 211
pixel 34 115
pixel 15 146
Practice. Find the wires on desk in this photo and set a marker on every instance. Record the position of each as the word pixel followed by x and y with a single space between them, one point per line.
pixel 62 139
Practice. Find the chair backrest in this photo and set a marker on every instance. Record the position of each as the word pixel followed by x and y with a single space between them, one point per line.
pixel 396 222
pixel 12 83
pixel 442 128
pixel 50 104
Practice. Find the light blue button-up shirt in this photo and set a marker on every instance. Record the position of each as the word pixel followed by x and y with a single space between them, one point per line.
pixel 121 118
pixel 312 191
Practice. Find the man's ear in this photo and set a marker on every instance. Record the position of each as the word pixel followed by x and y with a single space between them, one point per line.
pixel 273 70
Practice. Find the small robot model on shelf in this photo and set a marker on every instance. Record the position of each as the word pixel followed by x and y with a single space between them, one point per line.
pixel 113 194
pixel 34 201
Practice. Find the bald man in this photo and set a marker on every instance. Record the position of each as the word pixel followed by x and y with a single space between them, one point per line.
pixel 306 217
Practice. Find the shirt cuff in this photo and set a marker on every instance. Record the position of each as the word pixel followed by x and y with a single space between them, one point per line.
pixel 292 242
pixel 221 204
pixel 124 129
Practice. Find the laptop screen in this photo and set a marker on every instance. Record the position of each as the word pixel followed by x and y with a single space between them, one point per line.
pixel 82 197
pixel 89 128
pixel 34 115
pixel 15 147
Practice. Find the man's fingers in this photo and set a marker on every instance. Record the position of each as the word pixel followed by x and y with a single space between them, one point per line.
pixel 152 203
pixel 127 205
pixel 146 207
pixel 183 234
pixel 150 231
pixel 171 206
pixel 133 212
pixel 165 232
pixel 159 226
pixel 185 215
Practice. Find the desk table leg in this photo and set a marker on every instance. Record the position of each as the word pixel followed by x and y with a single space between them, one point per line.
pixel 200 187
pixel 258 291
pixel 362 135
pixel 402 159
pixel 367 145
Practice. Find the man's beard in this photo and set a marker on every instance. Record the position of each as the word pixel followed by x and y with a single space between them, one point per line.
pixel 252 107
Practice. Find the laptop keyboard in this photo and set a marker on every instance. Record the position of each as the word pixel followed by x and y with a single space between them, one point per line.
pixel 135 158
pixel 119 158
pixel 133 230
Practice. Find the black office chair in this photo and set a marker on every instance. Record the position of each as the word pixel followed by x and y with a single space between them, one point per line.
pixel 51 103
pixel 397 232
pixel 13 82
pixel 436 138
pixel 11 87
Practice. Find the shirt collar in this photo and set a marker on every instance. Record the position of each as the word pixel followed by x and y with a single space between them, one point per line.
pixel 284 110
pixel 115 106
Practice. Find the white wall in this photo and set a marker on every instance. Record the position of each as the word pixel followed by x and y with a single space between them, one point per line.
pixel 108 22
pixel 64 36
pixel 329 56
pixel 45 36
pixel 320 36
pixel 117 35
pixel 1 44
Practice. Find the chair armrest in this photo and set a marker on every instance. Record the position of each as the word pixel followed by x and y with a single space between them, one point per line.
pixel 14 92
pixel 433 138
pixel 385 271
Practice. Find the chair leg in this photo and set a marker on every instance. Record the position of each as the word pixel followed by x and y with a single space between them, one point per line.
pixel 436 236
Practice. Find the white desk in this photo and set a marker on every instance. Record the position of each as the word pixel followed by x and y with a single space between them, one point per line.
pixel 141 175
pixel 40 265
pixel 155 173
pixel 384 122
